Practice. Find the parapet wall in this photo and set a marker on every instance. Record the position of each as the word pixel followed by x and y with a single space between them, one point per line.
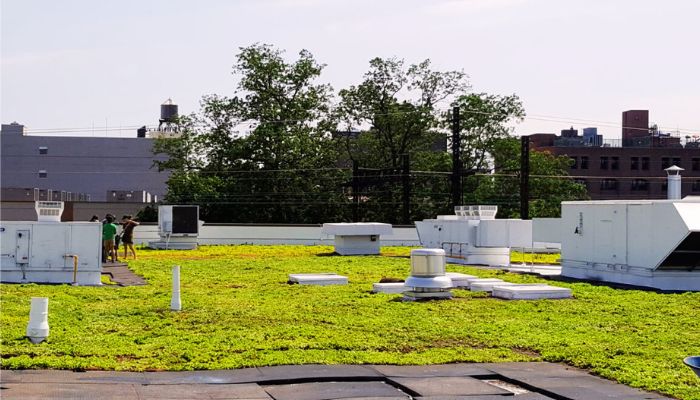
pixel 212 234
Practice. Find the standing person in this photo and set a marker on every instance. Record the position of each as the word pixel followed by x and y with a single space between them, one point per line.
pixel 128 235
pixel 109 231
pixel 104 251
pixel 95 218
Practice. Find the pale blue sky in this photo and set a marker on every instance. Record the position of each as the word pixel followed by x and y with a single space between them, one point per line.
pixel 72 63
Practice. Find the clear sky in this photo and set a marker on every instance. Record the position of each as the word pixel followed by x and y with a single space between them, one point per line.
pixel 79 63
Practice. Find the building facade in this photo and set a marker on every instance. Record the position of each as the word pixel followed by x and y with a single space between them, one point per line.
pixel 629 169
pixel 91 167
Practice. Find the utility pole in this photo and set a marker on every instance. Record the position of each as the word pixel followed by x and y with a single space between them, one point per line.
pixel 355 191
pixel 456 162
pixel 406 181
pixel 524 177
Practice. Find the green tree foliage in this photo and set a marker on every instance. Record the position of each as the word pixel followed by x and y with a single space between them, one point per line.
pixel 242 156
pixel 266 153
pixel 395 108
pixel 549 184
pixel 484 120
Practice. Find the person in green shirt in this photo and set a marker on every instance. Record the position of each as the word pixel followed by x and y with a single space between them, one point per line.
pixel 109 231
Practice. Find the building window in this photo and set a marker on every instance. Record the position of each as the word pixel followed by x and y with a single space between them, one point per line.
pixel 603 162
pixel 608 184
pixel 640 184
pixel 634 163
pixel 645 163
pixel 574 162
pixel 42 173
pixel 43 150
pixel 676 161
pixel 665 162
pixel 615 164
pixel 664 186
pixel 584 162
pixel 696 185
pixel 696 164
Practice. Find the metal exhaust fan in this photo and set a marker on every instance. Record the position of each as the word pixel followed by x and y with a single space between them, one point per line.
pixel 428 279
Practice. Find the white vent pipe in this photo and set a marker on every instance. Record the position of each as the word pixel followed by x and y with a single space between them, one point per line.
pixel 175 303
pixel 38 327
pixel 674 182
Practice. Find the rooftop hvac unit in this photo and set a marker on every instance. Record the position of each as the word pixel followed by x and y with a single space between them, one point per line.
pixel 653 243
pixel 178 227
pixel 644 243
pixel 178 220
pixel 474 236
pixel 48 251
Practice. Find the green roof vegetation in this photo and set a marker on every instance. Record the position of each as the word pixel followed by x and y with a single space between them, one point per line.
pixel 238 311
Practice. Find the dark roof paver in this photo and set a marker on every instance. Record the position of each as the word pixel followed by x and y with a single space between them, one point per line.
pixel 73 391
pixel 448 386
pixel 317 372
pixel 432 370
pixel 203 391
pixel 334 390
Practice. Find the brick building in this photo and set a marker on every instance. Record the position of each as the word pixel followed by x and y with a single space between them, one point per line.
pixel 630 169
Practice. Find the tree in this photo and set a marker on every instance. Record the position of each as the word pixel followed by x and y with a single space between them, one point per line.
pixel 394 107
pixel 395 111
pixel 549 184
pixel 485 119
pixel 241 155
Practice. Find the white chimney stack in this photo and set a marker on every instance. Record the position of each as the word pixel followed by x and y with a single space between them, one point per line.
pixel 674 182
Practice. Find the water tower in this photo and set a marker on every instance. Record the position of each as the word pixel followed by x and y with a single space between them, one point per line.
pixel 168 117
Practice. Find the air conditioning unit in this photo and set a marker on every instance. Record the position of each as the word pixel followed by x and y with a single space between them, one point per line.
pixel 178 221
pixel 50 251
pixel 178 227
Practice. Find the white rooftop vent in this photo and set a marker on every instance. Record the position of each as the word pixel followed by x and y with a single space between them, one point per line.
pixel 476 212
pixel 49 211
pixel 428 279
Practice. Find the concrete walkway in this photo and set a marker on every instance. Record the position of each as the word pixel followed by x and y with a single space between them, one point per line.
pixel 518 381
pixel 120 274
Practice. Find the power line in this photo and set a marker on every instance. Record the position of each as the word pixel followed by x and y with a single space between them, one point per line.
pixel 252 123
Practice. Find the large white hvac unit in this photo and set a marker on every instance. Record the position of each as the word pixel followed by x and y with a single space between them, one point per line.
pixel 50 251
pixel 178 227
pixel 474 236
pixel 652 243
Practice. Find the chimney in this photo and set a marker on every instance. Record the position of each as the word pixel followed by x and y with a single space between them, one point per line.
pixel 674 182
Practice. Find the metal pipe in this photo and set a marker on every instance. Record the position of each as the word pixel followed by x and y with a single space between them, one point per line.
pixel 75 267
